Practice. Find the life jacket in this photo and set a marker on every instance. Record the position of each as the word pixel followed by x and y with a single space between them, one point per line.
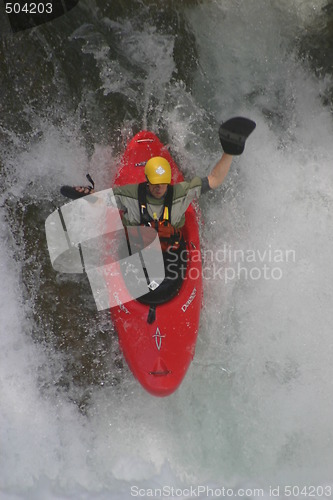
pixel 169 236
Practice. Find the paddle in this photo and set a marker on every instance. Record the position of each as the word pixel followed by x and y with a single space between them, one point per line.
pixel 73 194
pixel 233 134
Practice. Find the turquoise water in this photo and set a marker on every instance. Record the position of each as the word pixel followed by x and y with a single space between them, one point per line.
pixel 255 409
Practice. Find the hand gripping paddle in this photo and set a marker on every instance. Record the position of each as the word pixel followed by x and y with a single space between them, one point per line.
pixel 233 134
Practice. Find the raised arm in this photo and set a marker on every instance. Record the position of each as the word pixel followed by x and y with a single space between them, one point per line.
pixel 233 134
pixel 219 172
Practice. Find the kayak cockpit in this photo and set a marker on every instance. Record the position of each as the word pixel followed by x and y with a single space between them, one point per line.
pixel 175 264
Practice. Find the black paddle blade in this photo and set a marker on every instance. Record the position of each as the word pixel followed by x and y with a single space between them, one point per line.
pixel 71 192
pixel 233 134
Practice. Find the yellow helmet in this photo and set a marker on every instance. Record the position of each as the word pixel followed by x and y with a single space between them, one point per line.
pixel 158 170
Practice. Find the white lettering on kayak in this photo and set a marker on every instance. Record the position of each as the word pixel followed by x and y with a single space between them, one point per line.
pixel 158 338
pixel 190 300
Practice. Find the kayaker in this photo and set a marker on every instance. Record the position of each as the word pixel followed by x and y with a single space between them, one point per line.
pixel 159 204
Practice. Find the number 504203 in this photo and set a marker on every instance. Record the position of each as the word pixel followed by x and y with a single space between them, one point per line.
pixel 28 8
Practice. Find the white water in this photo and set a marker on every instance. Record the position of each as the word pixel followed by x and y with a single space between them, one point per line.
pixel 256 408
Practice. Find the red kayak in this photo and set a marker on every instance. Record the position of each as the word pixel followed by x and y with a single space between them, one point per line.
pixel 158 332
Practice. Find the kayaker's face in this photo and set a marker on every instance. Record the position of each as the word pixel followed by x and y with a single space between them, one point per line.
pixel 157 190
